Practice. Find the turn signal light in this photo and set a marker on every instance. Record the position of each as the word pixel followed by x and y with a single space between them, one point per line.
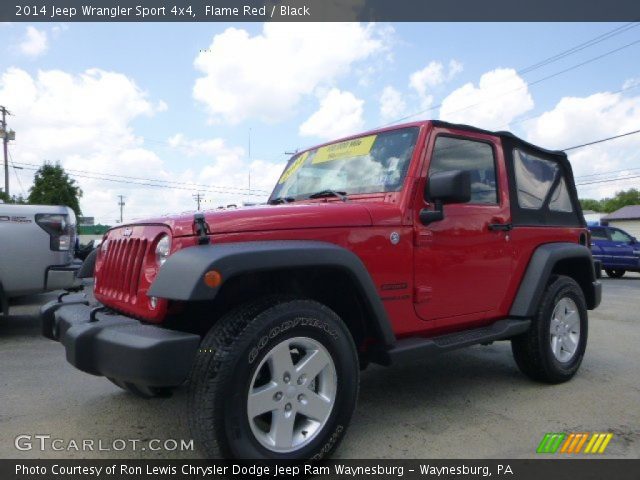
pixel 212 279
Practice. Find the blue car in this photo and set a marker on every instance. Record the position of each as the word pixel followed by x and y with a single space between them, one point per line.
pixel 618 251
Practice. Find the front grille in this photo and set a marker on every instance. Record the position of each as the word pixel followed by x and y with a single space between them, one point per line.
pixel 121 269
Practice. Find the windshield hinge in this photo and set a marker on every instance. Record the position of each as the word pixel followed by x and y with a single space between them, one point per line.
pixel 201 228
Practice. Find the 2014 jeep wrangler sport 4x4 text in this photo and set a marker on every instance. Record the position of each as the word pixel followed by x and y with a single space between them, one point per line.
pixel 398 243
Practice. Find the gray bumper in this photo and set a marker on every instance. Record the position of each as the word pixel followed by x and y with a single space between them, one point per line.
pixel 117 346
pixel 60 278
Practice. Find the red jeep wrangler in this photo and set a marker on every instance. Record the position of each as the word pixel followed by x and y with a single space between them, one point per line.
pixel 398 243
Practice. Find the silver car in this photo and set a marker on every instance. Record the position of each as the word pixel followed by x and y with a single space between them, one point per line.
pixel 37 245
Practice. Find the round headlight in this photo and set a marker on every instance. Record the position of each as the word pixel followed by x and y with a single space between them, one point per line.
pixel 162 249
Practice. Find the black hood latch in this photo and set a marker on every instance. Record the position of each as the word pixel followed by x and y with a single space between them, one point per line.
pixel 202 229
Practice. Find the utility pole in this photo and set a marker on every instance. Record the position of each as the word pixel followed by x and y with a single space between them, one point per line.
pixel 6 136
pixel 121 204
pixel 198 197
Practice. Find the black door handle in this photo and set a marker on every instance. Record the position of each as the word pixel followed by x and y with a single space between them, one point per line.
pixel 500 227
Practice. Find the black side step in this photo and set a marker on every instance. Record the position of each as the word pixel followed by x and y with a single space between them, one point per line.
pixel 419 347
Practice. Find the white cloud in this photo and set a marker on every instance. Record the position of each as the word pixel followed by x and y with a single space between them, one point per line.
pixel 455 67
pixel 266 75
pixel 392 105
pixel 430 76
pixel 631 83
pixel 501 96
pixel 91 111
pixel 34 43
pixel 210 147
pixel 340 114
pixel 434 74
pixel 578 120
pixel 57 30
pixel 84 122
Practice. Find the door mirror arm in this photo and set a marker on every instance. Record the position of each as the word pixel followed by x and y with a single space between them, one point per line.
pixel 428 216
pixel 452 186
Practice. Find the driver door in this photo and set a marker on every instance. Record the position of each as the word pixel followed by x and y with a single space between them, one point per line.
pixel 464 263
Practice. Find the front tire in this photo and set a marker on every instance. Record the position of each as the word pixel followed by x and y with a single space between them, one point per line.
pixel 615 273
pixel 551 351
pixel 274 381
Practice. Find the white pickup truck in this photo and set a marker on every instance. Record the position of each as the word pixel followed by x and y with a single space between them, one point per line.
pixel 37 245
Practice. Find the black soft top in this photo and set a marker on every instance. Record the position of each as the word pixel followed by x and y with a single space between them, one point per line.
pixel 521 216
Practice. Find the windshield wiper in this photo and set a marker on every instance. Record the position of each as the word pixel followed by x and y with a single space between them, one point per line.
pixel 278 200
pixel 330 193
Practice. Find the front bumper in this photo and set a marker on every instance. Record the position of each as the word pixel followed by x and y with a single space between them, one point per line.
pixel 118 347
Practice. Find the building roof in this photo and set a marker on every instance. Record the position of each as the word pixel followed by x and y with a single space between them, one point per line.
pixel 630 212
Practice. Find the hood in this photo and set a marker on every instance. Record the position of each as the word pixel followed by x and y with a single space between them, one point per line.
pixel 276 217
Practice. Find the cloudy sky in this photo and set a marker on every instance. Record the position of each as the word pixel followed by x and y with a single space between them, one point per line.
pixel 124 105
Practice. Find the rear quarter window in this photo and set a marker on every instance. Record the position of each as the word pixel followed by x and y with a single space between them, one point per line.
pixel 540 181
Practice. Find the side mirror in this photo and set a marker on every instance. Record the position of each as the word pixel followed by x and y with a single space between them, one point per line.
pixel 442 188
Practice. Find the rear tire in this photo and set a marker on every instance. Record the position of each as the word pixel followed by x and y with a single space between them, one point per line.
pixel 266 347
pixel 552 349
pixel 615 273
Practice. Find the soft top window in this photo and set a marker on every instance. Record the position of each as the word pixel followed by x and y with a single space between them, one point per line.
pixel 540 182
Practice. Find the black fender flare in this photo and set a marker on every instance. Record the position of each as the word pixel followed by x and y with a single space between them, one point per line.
pixel 181 277
pixel 540 268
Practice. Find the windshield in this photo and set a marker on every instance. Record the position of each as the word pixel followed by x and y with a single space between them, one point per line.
pixel 368 164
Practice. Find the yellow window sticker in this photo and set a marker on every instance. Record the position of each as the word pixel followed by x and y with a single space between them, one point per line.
pixel 298 162
pixel 349 149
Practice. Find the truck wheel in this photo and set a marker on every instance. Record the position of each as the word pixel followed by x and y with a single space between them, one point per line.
pixel 615 273
pixel 552 349
pixel 274 381
pixel 142 391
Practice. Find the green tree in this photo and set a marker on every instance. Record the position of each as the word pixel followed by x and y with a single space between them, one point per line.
pixel 621 199
pixel 53 186
pixel 13 199
pixel 591 204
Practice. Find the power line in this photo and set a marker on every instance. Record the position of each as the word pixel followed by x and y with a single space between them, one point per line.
pixel 548 77
pixel 581 64
pixel 609 172
pixel 535 82
pixel 601 140
pixel 173 182
pixel 589 43
pixel 147 184
pixel 619 179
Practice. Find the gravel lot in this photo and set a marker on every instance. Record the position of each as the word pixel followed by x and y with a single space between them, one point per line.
pixel 472 403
